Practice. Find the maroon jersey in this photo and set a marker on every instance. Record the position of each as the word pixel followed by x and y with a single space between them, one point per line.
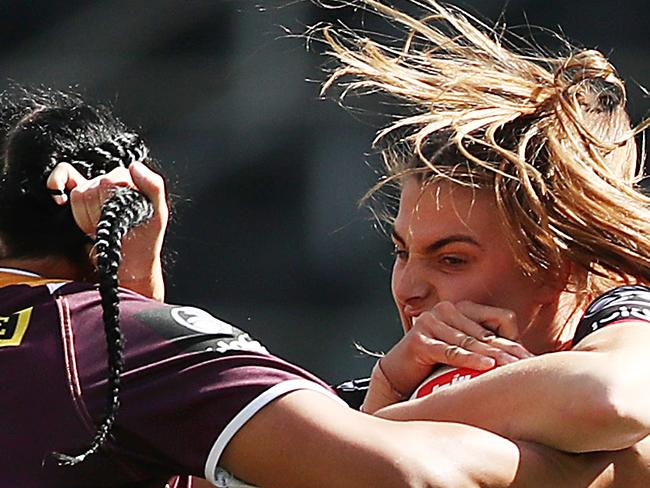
pixel 190 381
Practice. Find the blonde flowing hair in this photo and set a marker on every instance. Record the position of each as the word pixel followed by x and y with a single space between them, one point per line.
pixel 550 136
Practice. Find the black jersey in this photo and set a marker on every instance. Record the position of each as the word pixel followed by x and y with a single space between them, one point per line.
pixel 190 382
pixel 623 304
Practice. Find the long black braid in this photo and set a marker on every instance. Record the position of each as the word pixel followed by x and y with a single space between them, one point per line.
pixel 40 129
pixel 124 210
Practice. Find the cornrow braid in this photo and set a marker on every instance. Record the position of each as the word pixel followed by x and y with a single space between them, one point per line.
pixel 127 208
pixel 98 160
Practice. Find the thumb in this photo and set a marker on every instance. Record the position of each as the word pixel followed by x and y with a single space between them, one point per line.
pixel 150 183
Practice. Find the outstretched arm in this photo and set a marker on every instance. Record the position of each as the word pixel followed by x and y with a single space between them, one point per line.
pixel 306 439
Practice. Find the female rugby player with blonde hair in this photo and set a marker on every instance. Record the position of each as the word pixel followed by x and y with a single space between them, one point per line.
pixel 521 214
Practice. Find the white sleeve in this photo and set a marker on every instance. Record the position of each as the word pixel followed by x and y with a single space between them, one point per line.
pixel 222 478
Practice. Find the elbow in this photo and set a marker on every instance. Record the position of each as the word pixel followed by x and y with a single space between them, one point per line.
pixel 618 416
pixel 628 410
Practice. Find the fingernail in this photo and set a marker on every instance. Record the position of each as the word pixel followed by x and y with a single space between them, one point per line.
pixel 138 168
pixel 508 358
pixel 487 362
pixel 60 199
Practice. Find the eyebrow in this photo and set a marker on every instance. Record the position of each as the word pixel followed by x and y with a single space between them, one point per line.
pixel 440 243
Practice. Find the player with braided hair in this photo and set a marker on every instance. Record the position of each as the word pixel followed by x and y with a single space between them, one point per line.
pixel 25 123
pixel 196 396
pixel 107 147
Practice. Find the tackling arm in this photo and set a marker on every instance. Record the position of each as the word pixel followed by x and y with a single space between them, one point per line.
pixel 305 439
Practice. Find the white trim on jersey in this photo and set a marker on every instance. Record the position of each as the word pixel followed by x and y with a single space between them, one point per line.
pixel 55 286
pixel 19 272
pixel 211 464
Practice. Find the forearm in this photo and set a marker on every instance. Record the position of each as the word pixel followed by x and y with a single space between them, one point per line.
pixel 323 444
pixel 141 269
pixel 562 400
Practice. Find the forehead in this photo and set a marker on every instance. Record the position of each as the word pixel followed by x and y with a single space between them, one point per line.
pixel 435 210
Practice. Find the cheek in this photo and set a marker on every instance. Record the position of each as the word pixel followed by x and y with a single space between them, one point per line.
pixel 473 289
pixel 400 277
pixel 517 293
pixel 497 282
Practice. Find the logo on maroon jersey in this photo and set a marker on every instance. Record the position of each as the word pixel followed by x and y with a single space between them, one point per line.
pixel 200 321
pixel 12 328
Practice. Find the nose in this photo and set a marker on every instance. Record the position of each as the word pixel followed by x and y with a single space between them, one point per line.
pixel 412 287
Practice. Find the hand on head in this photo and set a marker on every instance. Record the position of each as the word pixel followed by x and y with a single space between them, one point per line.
pixel 141 269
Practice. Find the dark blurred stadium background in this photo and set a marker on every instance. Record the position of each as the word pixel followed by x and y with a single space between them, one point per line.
pixel 266 232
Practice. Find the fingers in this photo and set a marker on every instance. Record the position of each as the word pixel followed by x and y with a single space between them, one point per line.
pixel 444 341
pixel 501 321
pixel 447 335
pixel 62 179
pixel 479 338
pixel 152 185
pixel 457 355
pixel 87 198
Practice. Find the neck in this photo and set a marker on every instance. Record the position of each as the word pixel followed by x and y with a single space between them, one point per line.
pixel 48 267
pixel 554 326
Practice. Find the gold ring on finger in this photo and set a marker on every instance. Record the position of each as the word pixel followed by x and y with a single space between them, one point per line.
pixel 467 342
pixel 451 352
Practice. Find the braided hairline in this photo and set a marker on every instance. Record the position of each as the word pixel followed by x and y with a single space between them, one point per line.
pixel 120 151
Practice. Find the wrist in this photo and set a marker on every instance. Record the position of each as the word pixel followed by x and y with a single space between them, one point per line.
pixel 402 370
pixel 382 391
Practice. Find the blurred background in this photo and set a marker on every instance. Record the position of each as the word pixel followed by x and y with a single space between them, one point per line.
pixel 267 232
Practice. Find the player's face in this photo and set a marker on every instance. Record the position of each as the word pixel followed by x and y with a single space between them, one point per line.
pixel 451 246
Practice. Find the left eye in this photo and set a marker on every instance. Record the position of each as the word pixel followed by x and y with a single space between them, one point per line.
pixel 453 261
